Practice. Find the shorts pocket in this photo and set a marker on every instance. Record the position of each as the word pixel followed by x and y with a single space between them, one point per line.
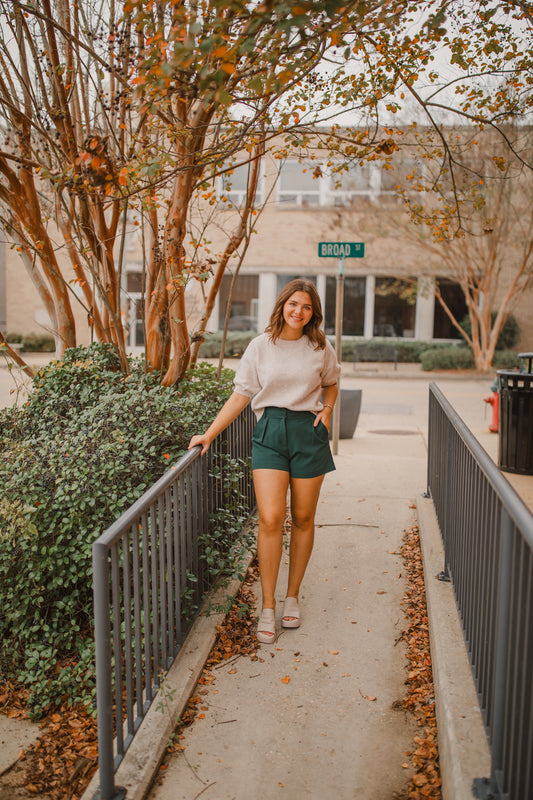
pixel 322 431
pixel 259 430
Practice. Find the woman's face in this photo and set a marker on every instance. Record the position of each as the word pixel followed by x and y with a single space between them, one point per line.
pixel 297 312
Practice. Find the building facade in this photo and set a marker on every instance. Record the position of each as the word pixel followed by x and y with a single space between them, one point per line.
pixel 389 292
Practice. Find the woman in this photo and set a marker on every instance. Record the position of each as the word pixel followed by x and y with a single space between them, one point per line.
pixel 290 372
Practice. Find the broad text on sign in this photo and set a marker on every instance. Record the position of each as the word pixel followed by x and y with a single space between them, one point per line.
pixel 341 249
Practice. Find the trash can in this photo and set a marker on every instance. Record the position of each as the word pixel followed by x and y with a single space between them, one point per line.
pixel 350 406
pixel 515 445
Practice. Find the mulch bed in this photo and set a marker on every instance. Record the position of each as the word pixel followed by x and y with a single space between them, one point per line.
pixel 420 699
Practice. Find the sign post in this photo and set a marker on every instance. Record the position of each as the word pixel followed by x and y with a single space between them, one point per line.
pixel 340 250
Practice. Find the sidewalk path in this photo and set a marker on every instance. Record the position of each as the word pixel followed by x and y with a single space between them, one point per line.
pixel 321 734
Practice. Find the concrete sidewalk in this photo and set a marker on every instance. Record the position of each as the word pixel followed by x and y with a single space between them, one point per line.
pixel 314 718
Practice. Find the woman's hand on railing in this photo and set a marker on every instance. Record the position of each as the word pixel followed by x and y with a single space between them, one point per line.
pixel 234 405
pixel 201 439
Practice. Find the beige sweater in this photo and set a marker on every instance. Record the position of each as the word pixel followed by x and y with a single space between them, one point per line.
pixel 287 374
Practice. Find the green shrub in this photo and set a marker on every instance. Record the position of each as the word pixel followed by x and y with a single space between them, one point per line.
pixel 380 350
pixel 88 442
pixel 236 344
pixel 509 334
pixel 33 342
pixel 461 357
pixel 447 358
pixel 505 359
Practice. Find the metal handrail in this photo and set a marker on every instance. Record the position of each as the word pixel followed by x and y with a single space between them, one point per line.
pixel 487 534
pixel 143 565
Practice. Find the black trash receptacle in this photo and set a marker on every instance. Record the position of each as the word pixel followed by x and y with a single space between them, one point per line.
pixel 515 445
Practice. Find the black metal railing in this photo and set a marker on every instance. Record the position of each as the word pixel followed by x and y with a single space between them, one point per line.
pixel 487 534
pixel 149 581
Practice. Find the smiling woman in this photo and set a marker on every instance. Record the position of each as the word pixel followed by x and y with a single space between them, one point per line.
pixel 290 374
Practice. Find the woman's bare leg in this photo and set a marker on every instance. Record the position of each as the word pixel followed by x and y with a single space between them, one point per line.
pixel 304 498
pixel 271 494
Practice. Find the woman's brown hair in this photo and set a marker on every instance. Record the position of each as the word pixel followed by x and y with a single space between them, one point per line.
pixel 312 330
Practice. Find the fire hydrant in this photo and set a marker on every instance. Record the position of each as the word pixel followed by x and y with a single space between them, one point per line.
pixel 494 401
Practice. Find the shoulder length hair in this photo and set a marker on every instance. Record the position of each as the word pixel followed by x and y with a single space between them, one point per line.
pixel 313 329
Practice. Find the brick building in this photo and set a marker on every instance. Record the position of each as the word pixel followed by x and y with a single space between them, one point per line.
pixel 300 211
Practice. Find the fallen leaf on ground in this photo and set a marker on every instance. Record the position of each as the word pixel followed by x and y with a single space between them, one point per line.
pixel 420 700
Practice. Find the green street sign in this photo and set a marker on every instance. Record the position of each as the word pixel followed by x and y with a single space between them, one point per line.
pixel 341 249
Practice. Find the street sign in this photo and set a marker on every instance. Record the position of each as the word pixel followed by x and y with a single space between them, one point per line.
pixel 341 249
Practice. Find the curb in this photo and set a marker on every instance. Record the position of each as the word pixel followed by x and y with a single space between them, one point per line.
pixel 463 747
pixel 413 374
pixel 143 757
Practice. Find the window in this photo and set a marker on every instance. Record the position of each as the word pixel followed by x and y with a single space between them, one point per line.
pixel 296 184
pixel 394 308
pixel 135 308
pixel 353 316
pixel 244 305
pixel 233 186
pixel 360 180
pixel 283 280
pixel 453 296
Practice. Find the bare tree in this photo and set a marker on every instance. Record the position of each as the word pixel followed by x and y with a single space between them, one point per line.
pixel 491 255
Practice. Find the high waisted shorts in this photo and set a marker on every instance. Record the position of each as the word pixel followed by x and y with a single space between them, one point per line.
pixel 288 441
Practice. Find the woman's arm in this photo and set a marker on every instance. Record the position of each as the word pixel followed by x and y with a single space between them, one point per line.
pixel 329 395
pixel 229 411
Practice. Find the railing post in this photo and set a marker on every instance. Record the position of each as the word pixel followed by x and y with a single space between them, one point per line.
pixel 431 437
pixel 445 574
pixel 104 693
pixel 485 788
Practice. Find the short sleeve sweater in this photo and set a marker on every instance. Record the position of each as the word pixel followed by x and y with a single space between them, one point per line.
pixel 286 374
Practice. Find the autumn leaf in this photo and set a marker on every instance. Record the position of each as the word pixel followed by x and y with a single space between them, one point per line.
pixel 286 679
pixel 420 698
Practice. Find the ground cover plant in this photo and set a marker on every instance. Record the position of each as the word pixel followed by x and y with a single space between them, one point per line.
pixel 86 444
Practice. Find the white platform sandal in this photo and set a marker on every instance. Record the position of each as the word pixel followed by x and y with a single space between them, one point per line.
pixel 266 627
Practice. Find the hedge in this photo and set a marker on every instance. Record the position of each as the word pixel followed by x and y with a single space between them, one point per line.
pixel 32 342
pixel 462 358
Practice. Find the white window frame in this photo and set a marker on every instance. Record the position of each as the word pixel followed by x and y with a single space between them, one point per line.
pixel 237 197
pixel 300 195
pixel 342 197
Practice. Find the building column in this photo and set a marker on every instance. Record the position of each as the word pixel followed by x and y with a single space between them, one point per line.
pixel 321 289
pixel 369 306
pixel 425 309
pixel 268 292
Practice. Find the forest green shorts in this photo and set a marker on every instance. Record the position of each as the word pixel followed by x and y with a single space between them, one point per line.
pixel 289 441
